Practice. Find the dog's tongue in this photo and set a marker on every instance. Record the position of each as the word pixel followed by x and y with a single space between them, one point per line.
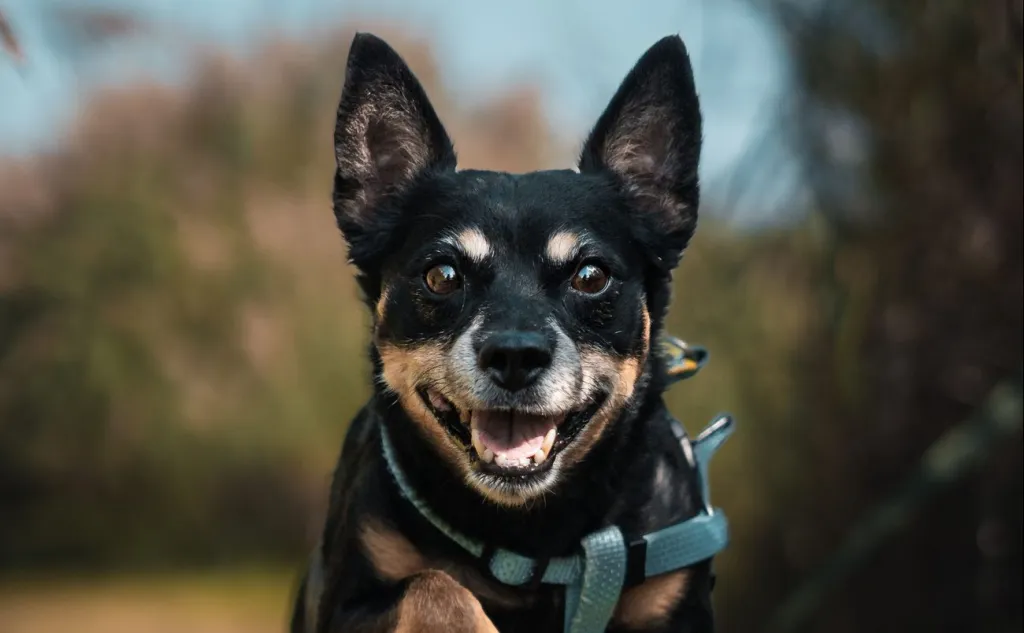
pixel 514 435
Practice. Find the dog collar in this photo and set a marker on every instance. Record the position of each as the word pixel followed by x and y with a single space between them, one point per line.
pixel 595 577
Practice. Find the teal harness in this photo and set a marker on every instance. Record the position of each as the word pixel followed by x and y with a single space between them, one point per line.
pixel 594 577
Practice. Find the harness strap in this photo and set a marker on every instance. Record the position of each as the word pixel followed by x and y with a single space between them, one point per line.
pixel 473 547
pixel 704 448
pixel 603 574
pixel 685 544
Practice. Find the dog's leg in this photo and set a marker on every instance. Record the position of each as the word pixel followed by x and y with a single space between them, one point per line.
pixel 429 602
pixel 435 603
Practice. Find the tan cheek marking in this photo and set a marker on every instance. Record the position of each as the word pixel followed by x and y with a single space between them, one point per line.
pixel 474 244
pixel 601 366
pixel 405 367
pixel 650 604
pixel 391 554
pixel 562 247
pixel 435 603
pixel 403 370
pixel 629 373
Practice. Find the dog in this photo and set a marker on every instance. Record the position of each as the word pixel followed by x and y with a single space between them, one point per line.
pixel 517 398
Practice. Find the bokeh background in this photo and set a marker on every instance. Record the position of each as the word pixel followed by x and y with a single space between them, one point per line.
pixel 182 345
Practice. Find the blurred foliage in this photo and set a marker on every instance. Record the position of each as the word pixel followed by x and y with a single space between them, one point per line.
pixel 181 345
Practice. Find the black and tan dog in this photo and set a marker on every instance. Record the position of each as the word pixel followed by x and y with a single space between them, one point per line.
pixel 513 320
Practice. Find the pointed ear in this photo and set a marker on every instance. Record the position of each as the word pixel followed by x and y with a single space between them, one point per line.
pixel 386 135
pixel 649 138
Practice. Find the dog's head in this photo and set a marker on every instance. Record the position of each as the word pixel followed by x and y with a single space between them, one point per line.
pixel 514 314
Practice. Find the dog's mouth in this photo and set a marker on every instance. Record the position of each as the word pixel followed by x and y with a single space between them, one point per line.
pixel 508 441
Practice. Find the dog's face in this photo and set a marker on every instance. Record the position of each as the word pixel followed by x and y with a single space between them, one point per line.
pixel 514 314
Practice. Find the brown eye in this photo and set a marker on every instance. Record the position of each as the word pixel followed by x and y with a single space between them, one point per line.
pixel 442 279
pixel 590 279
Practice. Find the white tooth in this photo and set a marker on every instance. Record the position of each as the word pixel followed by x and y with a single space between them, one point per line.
pixel 524 462
pixel 487 456
pixel 549 441
pixel 539 457
pixel 501 460
pixel 477 444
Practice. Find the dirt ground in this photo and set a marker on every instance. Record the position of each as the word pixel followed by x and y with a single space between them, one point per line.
pixel 208 603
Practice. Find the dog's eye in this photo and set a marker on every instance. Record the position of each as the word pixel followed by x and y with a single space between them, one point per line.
pixel 590 279
pixel 442 279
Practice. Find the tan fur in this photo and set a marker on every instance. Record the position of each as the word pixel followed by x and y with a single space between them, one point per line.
pixel 403 366
pixel 650 604
pixel 562 247
pixel 599 366
pixel 403 369
pixel 435 603
pixel 393 556
pixel 382 304
pixel 473 244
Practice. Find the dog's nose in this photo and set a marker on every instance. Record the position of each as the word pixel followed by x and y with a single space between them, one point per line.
pixel 514 359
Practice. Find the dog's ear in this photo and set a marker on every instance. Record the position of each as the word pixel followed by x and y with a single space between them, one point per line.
pixel 649 137
pixel 386 135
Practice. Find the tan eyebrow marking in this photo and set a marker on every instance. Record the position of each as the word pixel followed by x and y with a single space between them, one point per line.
pixel 563 247
pixel 472 243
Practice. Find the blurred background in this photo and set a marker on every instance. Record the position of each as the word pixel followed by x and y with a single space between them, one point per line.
pixel 182 345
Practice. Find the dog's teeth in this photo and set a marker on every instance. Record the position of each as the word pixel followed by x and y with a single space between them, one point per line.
pixel 485 454
pixel 524 462
pixel 549 441
pixel 502 461
pixel 545 449
pixel 478 445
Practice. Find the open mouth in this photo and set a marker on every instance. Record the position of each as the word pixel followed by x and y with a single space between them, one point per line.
pixel 510 442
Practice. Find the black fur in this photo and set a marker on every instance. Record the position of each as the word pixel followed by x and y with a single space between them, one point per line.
pixel 397 197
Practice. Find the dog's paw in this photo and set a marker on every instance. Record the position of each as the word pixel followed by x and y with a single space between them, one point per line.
pixel 435 603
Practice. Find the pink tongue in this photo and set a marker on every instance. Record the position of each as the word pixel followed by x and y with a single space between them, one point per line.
pixel 515 435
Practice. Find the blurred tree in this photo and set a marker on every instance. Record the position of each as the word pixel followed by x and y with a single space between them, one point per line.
pixel 909 118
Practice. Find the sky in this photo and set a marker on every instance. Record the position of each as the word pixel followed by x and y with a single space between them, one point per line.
pixel 577 51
